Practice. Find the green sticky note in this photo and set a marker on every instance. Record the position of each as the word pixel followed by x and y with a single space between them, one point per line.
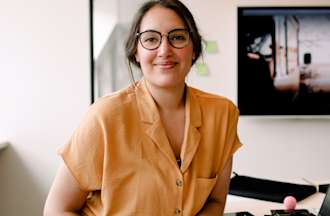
pixel 202 69
pixel 211 47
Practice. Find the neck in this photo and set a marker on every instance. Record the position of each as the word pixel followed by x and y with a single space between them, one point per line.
pixel 168 99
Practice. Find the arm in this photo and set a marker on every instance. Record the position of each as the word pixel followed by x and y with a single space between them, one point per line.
pixel 65 197
pixel 215 204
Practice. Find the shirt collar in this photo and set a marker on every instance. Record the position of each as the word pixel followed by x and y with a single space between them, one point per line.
pixel 149 112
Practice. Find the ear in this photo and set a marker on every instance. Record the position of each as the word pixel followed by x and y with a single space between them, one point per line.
pixel 193 56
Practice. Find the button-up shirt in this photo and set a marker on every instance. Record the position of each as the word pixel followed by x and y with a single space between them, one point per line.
pixel 121 155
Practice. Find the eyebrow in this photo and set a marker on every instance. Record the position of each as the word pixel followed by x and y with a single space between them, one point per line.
pixel 153 30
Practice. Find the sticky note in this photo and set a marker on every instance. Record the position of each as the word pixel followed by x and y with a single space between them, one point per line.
pixel 201 69
pixel 211 47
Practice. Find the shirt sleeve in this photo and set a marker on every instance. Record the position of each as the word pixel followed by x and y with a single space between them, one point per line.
pixel 232 142
pixel 233 136
pixel 83 154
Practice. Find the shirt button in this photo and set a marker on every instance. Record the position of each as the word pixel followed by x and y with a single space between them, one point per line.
pixel 177 211
pixel 179 182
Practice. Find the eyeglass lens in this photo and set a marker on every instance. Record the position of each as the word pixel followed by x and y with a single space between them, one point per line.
pixel 178 38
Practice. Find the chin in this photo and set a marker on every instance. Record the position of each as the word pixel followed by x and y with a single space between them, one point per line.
pixel 167 83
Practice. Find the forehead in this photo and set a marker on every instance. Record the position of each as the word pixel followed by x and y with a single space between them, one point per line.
pixel 161 19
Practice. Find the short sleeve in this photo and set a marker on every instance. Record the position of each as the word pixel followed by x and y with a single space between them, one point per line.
pixel 232 130
pixel 232 142
pixel 83 154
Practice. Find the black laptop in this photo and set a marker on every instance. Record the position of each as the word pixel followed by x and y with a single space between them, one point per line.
pixel 325 208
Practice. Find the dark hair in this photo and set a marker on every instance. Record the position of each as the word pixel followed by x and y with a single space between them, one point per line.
pixel 180 9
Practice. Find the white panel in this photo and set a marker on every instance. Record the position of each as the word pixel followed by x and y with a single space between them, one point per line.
pixel 44 91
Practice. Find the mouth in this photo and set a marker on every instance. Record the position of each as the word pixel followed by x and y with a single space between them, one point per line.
pixel 166 65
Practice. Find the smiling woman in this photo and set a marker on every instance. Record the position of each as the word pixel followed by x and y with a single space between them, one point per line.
pixel 157 147
pixel 165 65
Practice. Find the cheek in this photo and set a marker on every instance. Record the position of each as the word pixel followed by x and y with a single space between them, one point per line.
pixel 187 53
pixel 143 56
pixel 187 56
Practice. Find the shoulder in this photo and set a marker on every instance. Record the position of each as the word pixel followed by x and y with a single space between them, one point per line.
pixel 115 103
pixel 209 100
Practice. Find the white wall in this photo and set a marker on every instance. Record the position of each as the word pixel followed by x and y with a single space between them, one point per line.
pixel 282 149
pixel 44 90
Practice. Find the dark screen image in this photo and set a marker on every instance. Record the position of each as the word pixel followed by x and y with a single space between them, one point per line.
pixel 284 61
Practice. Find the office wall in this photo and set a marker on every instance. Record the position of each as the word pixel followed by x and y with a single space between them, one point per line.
pixel 44 90
pixel 283 149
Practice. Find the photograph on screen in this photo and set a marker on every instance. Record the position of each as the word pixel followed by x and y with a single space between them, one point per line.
pixel 284 61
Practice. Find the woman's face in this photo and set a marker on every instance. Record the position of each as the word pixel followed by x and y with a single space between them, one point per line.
pixel 166 66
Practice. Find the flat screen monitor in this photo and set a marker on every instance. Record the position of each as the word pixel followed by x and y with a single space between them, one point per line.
pixel 284 61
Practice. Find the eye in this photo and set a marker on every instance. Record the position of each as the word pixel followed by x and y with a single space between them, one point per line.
pixel 150 40
pixel 178 37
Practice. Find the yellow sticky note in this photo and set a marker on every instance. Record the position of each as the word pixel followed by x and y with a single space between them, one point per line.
pixel 211 47
pixel 202 69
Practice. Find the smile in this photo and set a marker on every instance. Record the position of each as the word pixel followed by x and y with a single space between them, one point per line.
pixel 166 65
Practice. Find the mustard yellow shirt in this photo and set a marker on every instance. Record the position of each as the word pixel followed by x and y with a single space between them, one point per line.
pixel 121 155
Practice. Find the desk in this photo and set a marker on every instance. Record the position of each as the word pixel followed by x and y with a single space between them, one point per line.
pixel 261 208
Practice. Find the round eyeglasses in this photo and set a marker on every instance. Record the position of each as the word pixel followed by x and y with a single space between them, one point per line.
pixel 151 39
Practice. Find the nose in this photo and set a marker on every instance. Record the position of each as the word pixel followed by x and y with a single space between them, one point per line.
pixel 165 48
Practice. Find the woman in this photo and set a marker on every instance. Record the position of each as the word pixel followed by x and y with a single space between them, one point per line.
pixel 158 147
